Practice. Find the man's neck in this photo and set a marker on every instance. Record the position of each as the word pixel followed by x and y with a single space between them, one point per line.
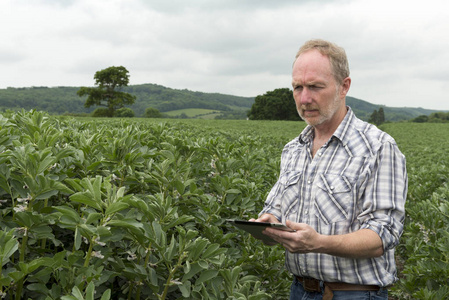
pixel 323 132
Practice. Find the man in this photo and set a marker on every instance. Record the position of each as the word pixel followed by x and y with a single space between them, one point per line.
pixel 342 187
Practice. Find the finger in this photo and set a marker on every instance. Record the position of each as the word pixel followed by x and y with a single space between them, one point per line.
pixel 293 225
pixel 267 218
pixel 275 234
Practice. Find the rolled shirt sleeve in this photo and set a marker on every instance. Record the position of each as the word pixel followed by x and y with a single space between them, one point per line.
pixel 385 195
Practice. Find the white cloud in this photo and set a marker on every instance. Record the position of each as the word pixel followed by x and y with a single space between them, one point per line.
pixel 397 49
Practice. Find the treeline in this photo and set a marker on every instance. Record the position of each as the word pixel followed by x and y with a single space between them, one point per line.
pixel 63 100
pixel 58 100
pixel 438 117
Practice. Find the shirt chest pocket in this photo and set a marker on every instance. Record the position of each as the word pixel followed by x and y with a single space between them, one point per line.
pixel 289 192
pixel 333 198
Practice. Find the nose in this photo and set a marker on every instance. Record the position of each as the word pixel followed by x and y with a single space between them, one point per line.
pixel 303 97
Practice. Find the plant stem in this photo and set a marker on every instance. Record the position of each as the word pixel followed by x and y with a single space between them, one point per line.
pixel 89 254
pixel 22 259
pixel 170 276
pixel 131 286
pixel 44 240
pixel 147 259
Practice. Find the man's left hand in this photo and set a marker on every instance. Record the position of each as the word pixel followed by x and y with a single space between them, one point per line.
pixel 303 240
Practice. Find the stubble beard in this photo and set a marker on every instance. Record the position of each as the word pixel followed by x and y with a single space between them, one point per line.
pixel 325 114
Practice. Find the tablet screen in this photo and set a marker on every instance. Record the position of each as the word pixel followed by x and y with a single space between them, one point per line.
pixel 256 228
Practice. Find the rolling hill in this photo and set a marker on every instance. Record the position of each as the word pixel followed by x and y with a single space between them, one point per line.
pixel 61 100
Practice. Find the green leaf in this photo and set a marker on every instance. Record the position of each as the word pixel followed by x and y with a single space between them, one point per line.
pixel 213 250
pixel 171 251
pixel 37 287
pixel 87 199
pixel 153 277
pixel 131 225
pixel 69 212
pixel 93 217
pixel 43 232
pixel 179 186
pixel 195 268
pixel 77 238
pixel 24 219
pixel 185 289
pixel 75 183
pixel 90 290
pixel 206 275
pixel 193 187
pixel 96 189
pixel 106 295
pixel 49 187
pixel 197 248
pixel 181 220
pixel 115 207
pixel 16 275
pixel 45 164
pixel 159 235
pixel 103 231
pixel 8 248
pixel 233 191
pixel 31 266
pixel 77 293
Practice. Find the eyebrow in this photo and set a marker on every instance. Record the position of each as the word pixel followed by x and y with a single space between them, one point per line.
pixel 308 83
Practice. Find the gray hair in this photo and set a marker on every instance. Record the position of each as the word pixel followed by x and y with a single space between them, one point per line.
pixel 336 54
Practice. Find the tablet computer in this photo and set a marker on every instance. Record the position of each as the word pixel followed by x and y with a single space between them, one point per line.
pixel 256 228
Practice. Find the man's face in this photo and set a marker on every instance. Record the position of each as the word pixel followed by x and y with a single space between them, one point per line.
pixel 319 99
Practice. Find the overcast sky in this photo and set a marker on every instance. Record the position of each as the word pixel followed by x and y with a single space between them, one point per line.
pixel 398 50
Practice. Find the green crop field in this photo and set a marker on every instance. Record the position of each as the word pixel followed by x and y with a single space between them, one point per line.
pixel 194 113
pixel 135 208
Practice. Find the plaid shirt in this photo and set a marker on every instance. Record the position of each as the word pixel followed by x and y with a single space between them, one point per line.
pixel 357 180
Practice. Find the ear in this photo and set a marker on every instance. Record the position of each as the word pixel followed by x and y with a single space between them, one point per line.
pixel 345 85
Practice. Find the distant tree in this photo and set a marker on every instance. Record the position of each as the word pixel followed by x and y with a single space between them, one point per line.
pixel 373 117
pixel 381 116
pixel 421 119
pixel 377 117
pixel 124 112
pixel 274 105
pixel 108 93
pixel 151 112
pixel 439 117
pixel 100 113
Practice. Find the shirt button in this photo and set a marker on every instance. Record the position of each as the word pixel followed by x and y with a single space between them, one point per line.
pixel 309 181
pixel 319 153
pixel 306 212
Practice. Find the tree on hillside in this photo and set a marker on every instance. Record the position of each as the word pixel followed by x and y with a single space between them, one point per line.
pixel 274 105
pixel 152 112
pixel 108 93
pixel 377 117
pixel 438 117
pixel 420 119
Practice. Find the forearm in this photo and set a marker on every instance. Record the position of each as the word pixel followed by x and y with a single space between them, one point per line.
pixel 363 243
